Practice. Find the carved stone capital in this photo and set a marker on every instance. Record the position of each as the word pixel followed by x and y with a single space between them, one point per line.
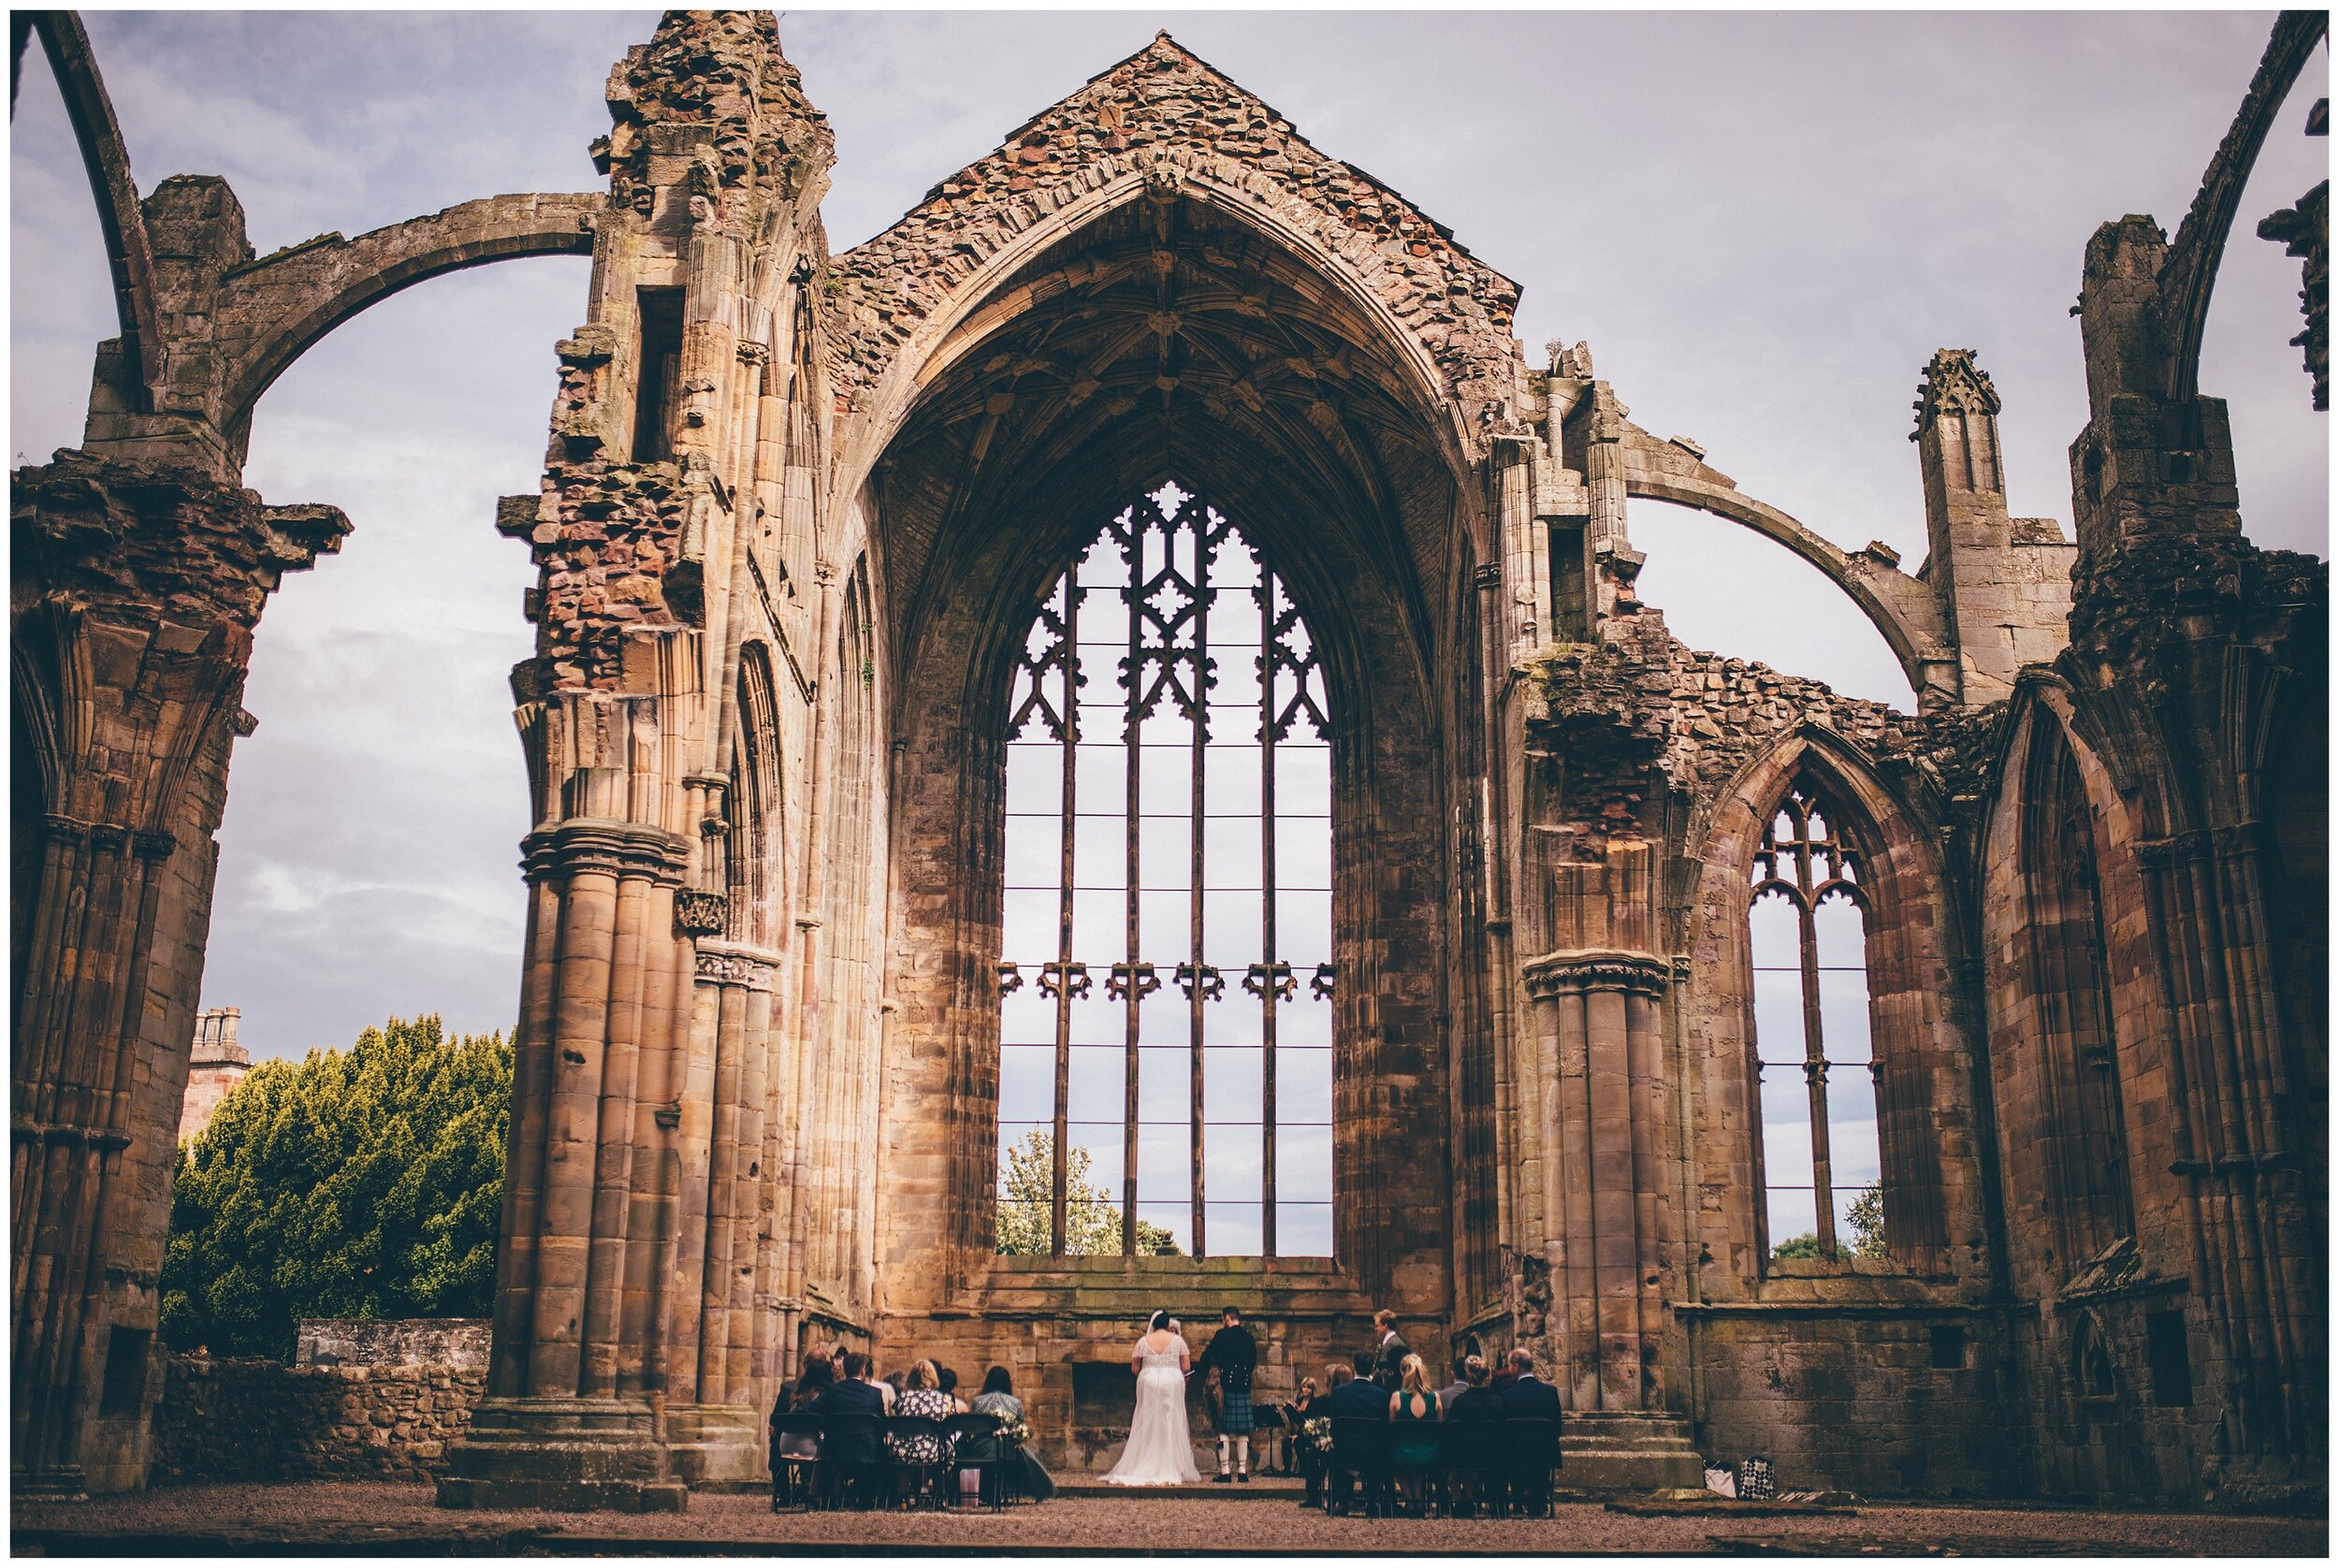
pixel 735 963
pixel 1596 970
pixel 615 849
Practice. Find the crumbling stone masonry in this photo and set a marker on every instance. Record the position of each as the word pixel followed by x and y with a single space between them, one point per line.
pixel 798 512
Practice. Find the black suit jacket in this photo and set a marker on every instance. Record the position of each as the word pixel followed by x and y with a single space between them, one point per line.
pixel 1235 1354
pixel 1476 1404
pixel 1358 1397
pixel 1390 1370
pixel 850 1397
pixel 1529 1398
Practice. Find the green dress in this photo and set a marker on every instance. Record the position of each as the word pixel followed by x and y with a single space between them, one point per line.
pixel 1412 1440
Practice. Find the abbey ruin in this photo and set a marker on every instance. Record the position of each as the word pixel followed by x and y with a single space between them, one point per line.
pixel 1138 646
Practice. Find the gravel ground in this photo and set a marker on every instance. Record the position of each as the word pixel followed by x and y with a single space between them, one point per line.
pixel 327 1515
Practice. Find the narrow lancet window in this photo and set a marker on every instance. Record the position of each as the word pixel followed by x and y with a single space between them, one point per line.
pixel 1165 965
pixel 1808 928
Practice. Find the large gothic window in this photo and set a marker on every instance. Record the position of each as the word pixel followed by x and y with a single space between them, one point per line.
pixel 1808 928
pixel 1166 966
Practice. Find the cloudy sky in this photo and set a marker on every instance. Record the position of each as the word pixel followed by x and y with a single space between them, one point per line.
pixel 1763 225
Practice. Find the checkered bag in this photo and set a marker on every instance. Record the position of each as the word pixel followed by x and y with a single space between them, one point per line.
pixel 1756 1484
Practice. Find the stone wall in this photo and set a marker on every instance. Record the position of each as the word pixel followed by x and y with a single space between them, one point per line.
pixel 384 1410
pixel 1885 1401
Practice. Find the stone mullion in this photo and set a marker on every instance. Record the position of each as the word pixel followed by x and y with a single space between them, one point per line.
pixel 1815 1067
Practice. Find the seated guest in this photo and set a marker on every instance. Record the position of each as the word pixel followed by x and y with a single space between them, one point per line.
pixel 922 1395
pixel 1354 1392
pixel 1446 1395
pixel 1296 1412
pixel 811 1383
pixel 998 1399
pixel 885 1387
pixel 1477 1403
pixel 1412 1413
pixel 853 1394
pixel 1527 1397
pixel 950 1386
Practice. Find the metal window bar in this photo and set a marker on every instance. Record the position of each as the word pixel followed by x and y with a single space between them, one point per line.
pixel 1805 867
pixel 1168 656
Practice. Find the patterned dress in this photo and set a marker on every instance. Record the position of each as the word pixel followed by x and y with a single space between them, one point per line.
pixel 935 1405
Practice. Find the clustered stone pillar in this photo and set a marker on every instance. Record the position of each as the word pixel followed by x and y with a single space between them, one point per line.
pixel 574 1393
pixel 1599 1039
pixel 136 588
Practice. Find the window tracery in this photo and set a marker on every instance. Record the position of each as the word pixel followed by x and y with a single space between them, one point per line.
pixel 1166 969
pixel 1808 921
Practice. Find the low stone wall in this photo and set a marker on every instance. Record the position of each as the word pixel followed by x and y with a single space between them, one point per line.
pixel 252 1420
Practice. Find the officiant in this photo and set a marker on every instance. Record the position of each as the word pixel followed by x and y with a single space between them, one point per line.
pixel 1232 1354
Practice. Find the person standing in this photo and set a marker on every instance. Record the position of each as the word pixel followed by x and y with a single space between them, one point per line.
pixel 1390 1352
pixel 1233 1355
pixel 1160 1452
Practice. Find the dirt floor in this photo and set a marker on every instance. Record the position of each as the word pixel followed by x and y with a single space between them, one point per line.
pixel 375 1518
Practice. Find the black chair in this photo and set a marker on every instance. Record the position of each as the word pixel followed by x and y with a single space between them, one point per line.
pixel 1474 1465
pixel 1359 1448
pixel 906 1436
pixel 1534 1447
pixel 794 1478
pixel 973 1443
pixel 853 1458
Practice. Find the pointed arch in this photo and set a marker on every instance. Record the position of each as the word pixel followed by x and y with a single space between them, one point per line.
pixel 1927 1183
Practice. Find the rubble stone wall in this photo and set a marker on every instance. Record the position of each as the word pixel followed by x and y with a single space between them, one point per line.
pixel 388 1421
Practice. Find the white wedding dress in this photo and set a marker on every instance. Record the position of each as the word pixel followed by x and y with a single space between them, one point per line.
pixel 1160 1452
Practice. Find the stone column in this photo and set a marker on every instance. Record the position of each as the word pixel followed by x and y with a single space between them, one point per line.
pixel 574 1415
pixel 136 591
pixel 1597 1018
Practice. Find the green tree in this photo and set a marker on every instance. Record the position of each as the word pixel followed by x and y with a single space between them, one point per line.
pixel 1092 1224
pixel 1864 1221
pixel 359 1183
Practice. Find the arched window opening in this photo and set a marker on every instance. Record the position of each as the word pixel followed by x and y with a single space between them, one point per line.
pixel 2087 1138
pixel 1165 965
pixel 751 865
pixel 1807 926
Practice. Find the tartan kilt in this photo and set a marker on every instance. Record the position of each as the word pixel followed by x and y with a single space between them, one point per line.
pixel 1234 1412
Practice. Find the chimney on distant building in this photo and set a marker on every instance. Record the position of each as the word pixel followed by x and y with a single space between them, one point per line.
pixel 216 1064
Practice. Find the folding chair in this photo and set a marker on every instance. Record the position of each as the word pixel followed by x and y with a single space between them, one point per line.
pixel 1534 1447
pixel 851 1451
pixel 1359 1448
pixel 795 1477
pixel 973 1443
pixel 1474 1465
pixel 905 1434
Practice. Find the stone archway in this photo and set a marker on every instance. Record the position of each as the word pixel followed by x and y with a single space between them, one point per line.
pixel 1107 303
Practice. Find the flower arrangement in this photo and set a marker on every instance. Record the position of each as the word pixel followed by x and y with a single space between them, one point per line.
pixel 1317 1429
pixel 1013 1432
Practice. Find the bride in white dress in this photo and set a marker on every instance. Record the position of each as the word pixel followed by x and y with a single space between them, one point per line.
pixel 1160 1451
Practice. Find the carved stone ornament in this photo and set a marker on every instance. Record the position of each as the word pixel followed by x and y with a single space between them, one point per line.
pixel 1596 971
pixel 697 913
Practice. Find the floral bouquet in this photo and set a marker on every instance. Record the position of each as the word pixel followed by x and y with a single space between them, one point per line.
pixel 1317 1431
pixel 1013 1432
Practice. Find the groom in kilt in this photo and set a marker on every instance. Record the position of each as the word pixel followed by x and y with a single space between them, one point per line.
pixel 1232 1354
